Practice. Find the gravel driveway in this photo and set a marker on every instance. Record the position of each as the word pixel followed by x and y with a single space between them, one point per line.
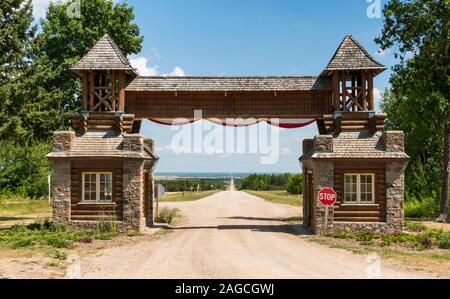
pixel 235 235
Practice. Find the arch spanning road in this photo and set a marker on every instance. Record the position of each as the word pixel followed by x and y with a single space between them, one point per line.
pixel 233 235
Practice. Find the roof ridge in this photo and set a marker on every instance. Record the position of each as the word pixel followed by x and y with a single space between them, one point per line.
pixel 364 50
pixel 229 77
pixel 117 49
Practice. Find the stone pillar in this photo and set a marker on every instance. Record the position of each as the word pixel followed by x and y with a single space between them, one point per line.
pixel 62 141
pixel 133 191
pixel 61 191
pixel 133 184
pixel 395 190
pixel 61 184
pixel 394 141
pixel 323 175
pixel 395 181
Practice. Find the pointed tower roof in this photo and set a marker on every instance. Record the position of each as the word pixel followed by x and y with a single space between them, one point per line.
pixel 352 56
pixel 105 55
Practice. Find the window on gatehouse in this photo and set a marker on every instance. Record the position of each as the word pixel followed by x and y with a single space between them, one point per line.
pixel 359 188
pixel 97 187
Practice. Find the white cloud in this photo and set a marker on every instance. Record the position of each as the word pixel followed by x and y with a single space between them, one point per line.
pixel 177 72
pixel 286 151
pixel 144 68
pixel 382 52
pixel 141 64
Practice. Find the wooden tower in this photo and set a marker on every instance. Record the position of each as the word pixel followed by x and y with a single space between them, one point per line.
pixel 105 72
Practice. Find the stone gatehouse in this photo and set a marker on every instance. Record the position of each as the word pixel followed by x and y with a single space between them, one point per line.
pixel 103 168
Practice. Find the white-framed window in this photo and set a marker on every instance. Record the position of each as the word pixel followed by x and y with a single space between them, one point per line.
pixel 359 188
pixel 97 187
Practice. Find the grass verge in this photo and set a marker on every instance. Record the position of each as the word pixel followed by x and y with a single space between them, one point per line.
pixel 19 210
pixel 419 247
pixel 187 196
pixel 279 197
pixel 43 234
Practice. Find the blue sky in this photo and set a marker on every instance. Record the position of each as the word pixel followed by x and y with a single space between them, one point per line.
pixel 246 37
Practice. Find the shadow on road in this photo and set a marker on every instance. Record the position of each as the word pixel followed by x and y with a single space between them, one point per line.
pixel 296 230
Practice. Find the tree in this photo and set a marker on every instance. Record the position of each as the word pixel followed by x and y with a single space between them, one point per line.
pixel 16 37
pixel 48 92
pixel 295 184
pixel 420 81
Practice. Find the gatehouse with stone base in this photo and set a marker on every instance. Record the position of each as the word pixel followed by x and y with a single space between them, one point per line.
pixel 103 168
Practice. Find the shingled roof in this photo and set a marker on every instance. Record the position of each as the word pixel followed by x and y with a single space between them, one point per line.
pixel 363 145
pixel 102 144
pixel 352 56
pixel 105 55
pixel 229 84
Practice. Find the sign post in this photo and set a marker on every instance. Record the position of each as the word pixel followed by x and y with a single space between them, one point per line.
pixel 327 197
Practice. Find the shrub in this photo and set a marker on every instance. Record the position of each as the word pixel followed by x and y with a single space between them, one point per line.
pixel 364 236
pixel 424 241
pixel 167 215
pixel 444 240
pixel 426 208
pixel 415 227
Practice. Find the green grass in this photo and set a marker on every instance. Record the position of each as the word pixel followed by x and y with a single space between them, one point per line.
pixel 44 234
pixel 279 197
pixel 417 236
pixel 13 206
pixel 187 196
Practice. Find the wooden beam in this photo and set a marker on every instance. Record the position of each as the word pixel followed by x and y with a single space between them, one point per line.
pixel 344 91
pixel 370 92
pixel 354 108
pixel 335 87
pixel 363 91
pixel 85 91
pixel 122 91
pixel 91 92
pixel 113 91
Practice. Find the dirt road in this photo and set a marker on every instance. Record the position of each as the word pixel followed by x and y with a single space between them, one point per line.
pixel 235 235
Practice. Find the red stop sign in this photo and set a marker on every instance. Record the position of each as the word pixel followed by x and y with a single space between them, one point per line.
pixel 327 196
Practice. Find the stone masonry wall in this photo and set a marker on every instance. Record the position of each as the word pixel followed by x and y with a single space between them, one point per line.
pixel 61 191
pixel 395 190
pixel 133 208
pixel 323 174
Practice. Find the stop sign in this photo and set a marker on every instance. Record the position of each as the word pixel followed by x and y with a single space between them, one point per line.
pixel 327 196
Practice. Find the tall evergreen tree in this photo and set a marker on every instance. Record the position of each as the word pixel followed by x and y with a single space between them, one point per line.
pixel 16 37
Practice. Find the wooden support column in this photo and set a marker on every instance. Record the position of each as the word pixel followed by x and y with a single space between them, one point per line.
pixel 91 91
pixel 336 99
pixel 363 90
pixel 122 91
pixel 344 91
pixel 370 92
pixel 85 91
pixel 113 91
pixel 355 107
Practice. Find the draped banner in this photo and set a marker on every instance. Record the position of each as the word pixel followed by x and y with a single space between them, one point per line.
pixel 239 122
